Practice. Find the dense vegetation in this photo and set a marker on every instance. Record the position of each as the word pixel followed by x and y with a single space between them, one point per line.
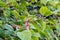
pixel 29 19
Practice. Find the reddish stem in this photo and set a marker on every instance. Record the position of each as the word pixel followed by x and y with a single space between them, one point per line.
pixel 27 26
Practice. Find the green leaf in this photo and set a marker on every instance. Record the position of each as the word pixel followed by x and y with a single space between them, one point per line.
pixel 44 1
pixel 11 0
pixel 57 5
pixel 9 30
pixel 2 34
pixel 3 4
pixel 35 38
pixel 36 35
pixel 45 11
pixel 8 27
pixel 1 23
pixel 36 26
pixel 42 23
pixel 16 14
pixel 24 35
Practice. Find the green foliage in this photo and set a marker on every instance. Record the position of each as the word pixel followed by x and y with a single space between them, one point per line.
pixel 42 16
